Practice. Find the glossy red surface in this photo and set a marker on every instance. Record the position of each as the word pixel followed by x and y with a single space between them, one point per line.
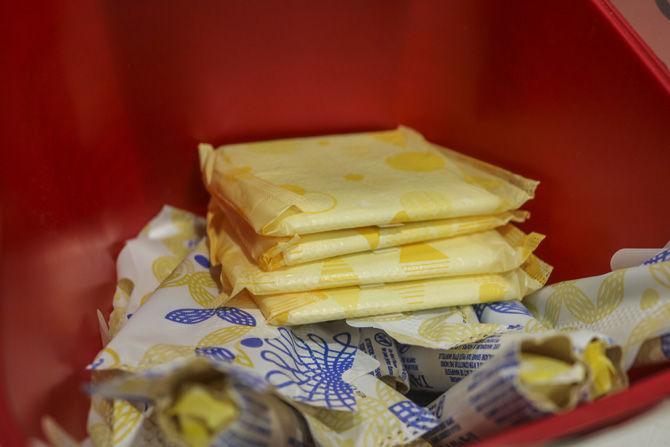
pixel 102 104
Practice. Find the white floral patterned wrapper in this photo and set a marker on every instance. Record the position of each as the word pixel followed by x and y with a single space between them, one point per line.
pixel 256 415
pixel 628 305
pixel 263 416
pixel 437 370
pixel 513 314
pixel 185 318
pixel 529 378
pixel 441 328
pixel 382 419
pixel 145 261
pixel 315 184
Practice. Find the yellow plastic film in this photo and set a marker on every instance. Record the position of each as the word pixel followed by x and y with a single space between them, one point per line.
pixel 603 371
pixel 272 253
pixel 493 251
pixel 316 184
pixel 199 414
pixel 362 301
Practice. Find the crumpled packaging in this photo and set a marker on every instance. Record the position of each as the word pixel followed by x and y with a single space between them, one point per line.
pixel 511 313
pixel 381 419
pixel 364 301
pixel 199 403
pixel 233 406
pixel 442 328
pixel 629 305
pixel 525 381
pixel 272 253
pixel 317 368
pixel 310 185
pixel 655 350
pixel 186 318
pixel 384 349
pixel 116 422
pixel 440 369
pixel 145 261
pixel 494 251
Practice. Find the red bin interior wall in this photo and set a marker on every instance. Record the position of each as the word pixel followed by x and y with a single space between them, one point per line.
pixel 102 105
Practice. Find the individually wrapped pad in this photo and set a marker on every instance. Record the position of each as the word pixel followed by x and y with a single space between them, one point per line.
pixel 493 251
pixel 272 253
pixel 361 301
pixel 316 184
pixel 629 305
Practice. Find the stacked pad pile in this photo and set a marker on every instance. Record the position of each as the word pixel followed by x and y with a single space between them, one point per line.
pixel 358 225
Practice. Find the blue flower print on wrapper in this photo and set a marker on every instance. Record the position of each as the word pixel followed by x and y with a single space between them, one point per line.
pixel 194 316
pixel 96 364
pixel 215 353
pixel 315 367
pixel 203 261
pixel 502 307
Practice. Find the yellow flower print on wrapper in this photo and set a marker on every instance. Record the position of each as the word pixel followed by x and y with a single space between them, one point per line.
pixel 125 420
pixel 416 161
pixel 610 295
pixel 372 424
pixel 440 329
pixel 650 298
pixel 493 251
pixel 357 301
pixel 630 306
pixel 415 181
pixel 124 289
pixel 184 230
pixel 272 253
pixel 160 354
pixel 198 283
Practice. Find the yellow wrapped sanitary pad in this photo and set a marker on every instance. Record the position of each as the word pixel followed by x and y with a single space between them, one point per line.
pixel 272 253
pixel 309 185
pixel 494 251
pixel 361 301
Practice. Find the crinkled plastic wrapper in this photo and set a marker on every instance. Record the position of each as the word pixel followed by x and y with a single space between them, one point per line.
pixel 145 261
pixel 187 318
pixel 380 346
pixel 272 253
pixel 440 369
pixel 494 251
pixel 629 305
pixel 202 404
pixel 311 185
pixel 526 380
pixel 317 369
pixel 442 328
pixel 362 301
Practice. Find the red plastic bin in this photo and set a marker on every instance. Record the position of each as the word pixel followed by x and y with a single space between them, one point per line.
pixel 102 104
